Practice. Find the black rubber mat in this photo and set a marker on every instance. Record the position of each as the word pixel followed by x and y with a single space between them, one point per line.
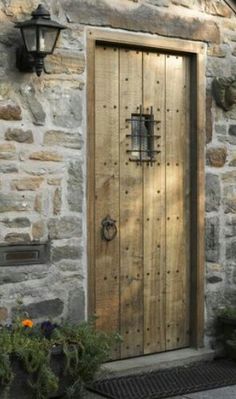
pixel 169 382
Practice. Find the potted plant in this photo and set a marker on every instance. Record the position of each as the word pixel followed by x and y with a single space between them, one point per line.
pixel 45 361
pixel 227 320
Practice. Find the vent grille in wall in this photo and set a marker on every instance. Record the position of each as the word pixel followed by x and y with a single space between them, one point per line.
pixel 16 255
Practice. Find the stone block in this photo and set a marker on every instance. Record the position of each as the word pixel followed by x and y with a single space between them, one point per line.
pixel 219 67
pixel 15 202
pixel 230 226
pixel 71 267
pixel 46 156
pixel 231 249
pixel 39 273
pixel 76 306
pixel 233 67
pixel 229 199
pixel 63 139
pixel 214 279
pixel 38 203
pixel 159 3
pixel 231 114
pixel 234 276
pixel 233 159
pixel 232 130
pixel 57 201
pixel 219 51
pixel 212 239
pixel 65 61
pixel 75 186
pixel 19 135
pixel 184 3
pixel 135 19
pixel 38 230
pixel 5 88
pixel 17 238
pixel 216 156
pixel 3 315
pixel 218 8
pixel 230 273
pixel 10 111
pixel 8 168
pixel 214 268
pixel 221 129
pixel 33 105
pixel 208 117
pixel 65 227
pixel 18 9
pixel 54 181
pixel 27 183
pixel 66 252
pixel 230 296
pixel 43 169
pixel 7 151
pixel 229 177
pixel 66 106
pixel 10 277
pixel 20 222
pixel 48 308
pixel 213 192
pixel 214 301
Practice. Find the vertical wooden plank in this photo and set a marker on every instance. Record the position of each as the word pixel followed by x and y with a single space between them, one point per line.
pixel 177 204
pixel 107 186
pixel 198 96
pixel 131 212
pixel 154 208
pixel 187 195
pixel 91 176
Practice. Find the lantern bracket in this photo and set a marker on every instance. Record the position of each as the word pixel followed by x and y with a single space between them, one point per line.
pixel 24 61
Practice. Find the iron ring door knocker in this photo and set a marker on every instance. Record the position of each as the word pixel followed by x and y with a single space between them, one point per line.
pixel 109 229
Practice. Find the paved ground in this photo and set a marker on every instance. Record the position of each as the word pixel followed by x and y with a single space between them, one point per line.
pixel 220 393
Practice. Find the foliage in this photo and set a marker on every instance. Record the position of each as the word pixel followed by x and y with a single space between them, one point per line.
pixel 82 347
pixel 227 312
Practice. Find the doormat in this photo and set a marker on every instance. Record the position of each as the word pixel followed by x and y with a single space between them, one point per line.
pixel 169 382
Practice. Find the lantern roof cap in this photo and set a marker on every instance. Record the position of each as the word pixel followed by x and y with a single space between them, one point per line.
pixel 41 12
pixel 40 17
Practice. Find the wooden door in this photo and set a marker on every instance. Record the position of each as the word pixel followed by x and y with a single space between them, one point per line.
pixel 141 275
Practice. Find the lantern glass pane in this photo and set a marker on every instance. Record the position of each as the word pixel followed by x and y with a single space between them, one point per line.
pixel 47 39
pixel 30 39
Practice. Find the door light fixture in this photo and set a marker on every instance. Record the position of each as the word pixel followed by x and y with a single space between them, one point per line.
pixel 40 35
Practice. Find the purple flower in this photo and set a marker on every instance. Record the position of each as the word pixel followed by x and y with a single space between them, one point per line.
pixel 47 328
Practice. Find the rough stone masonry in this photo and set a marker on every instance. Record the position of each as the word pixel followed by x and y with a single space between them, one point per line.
pixel 43 149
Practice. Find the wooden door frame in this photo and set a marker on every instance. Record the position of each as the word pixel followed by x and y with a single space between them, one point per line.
pixel 197 52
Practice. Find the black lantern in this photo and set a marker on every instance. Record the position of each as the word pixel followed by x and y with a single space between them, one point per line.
pixel 40 35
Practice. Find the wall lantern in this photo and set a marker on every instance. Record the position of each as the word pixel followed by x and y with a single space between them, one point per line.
pixel 40 35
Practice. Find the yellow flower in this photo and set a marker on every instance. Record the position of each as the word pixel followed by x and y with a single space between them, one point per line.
pixel 27 323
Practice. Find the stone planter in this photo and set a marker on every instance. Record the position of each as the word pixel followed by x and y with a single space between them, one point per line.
pixel 230 347
pixel 228 325
pixel 20 388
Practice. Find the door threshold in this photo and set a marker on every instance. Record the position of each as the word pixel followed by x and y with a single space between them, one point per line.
pixel 156 361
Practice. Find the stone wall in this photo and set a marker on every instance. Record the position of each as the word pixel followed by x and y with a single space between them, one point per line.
pixel 43 148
